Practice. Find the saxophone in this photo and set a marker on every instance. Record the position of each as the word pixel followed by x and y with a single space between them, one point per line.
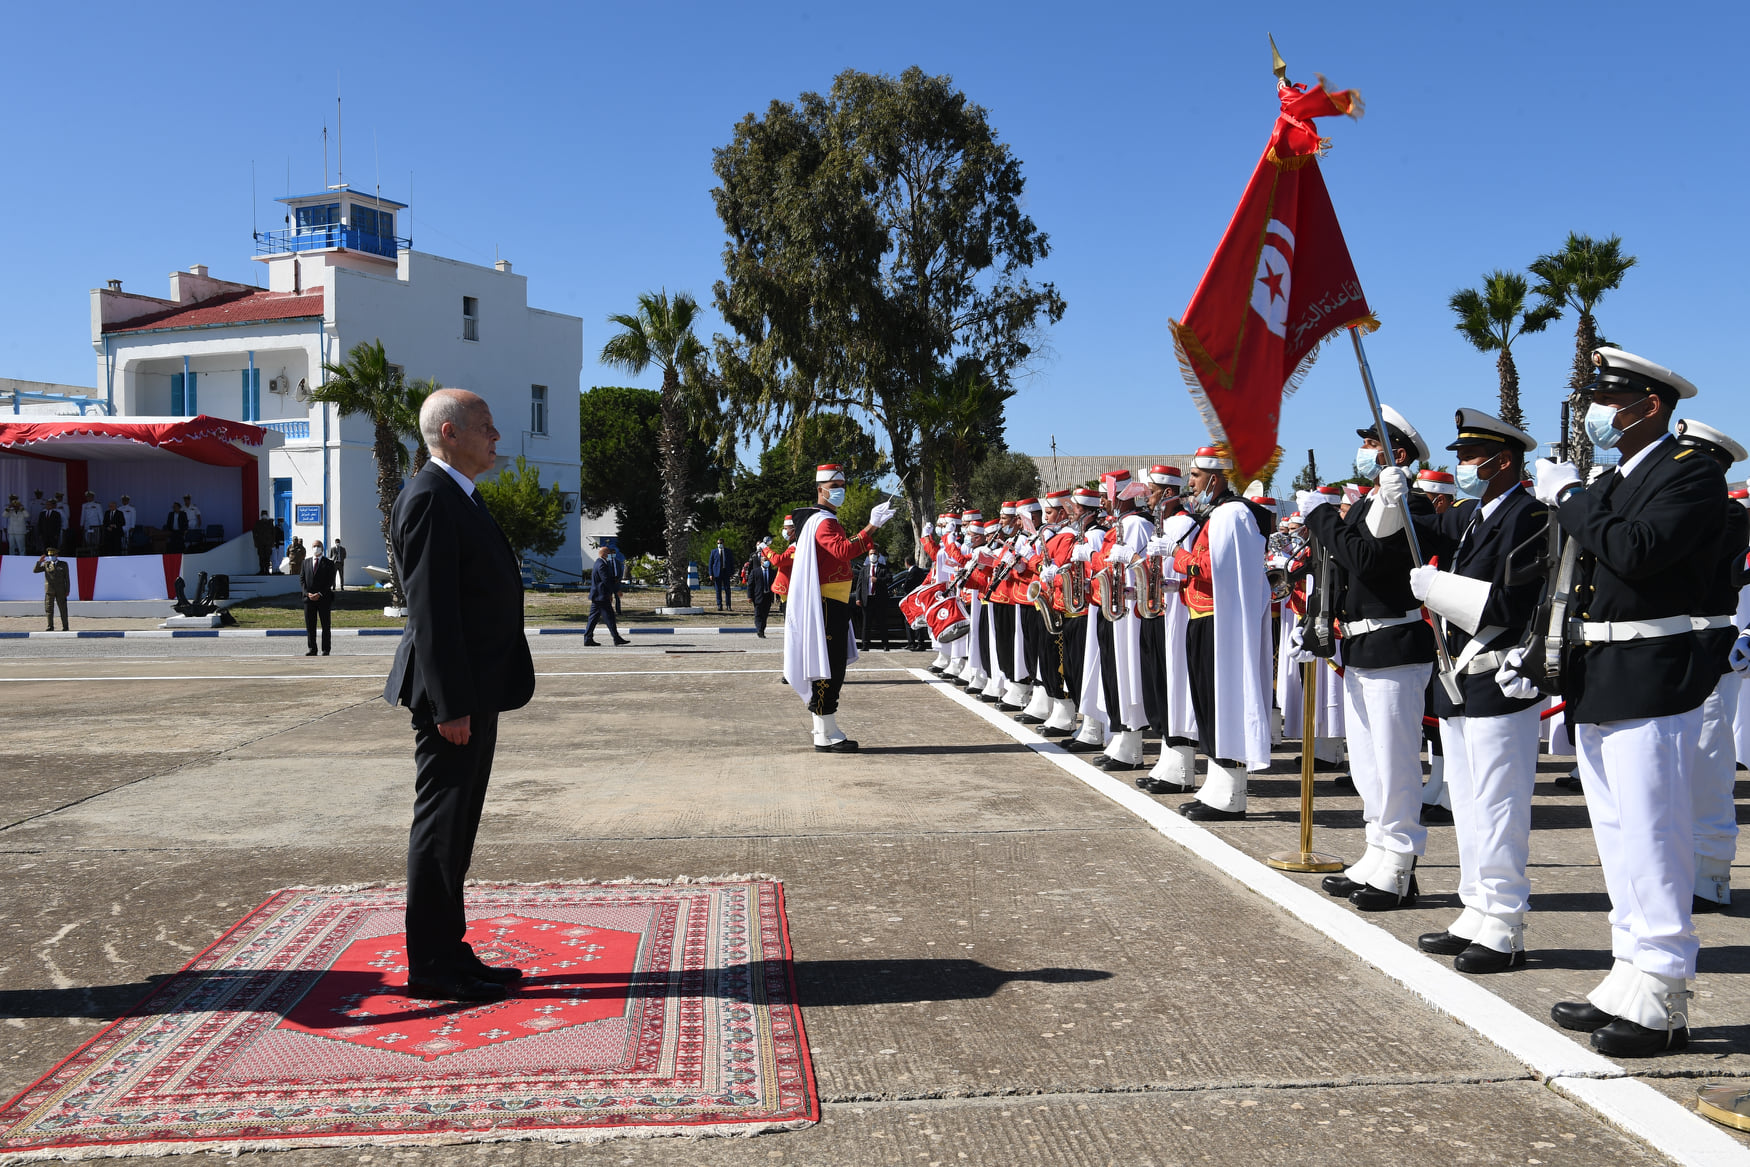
pixel 1077 587
pixel 1151 592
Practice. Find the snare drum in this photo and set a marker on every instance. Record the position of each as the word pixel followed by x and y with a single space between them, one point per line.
pixel 947 620
pixel 916 605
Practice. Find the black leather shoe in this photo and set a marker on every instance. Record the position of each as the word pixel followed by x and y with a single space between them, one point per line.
pixel 1162 786
pixel 1029 719
pixel 1433 812
pixel 844 745
pixel 621 640
pixel 1373 899
pixel 1439 943
pixel 1568 782
pixel 312 652
pixel 935 670
pixel 502 974
pixel 1114 766
pixel 1341 886
pixel 593 643
pixel 1581 1016
pixel 1202 812
pixel 1703 906
pixel 1320 766
pixel 457 988
pixel 1054 731
pixel 1078 746
pixel 1344 782
pixel 1480 958
pixel 1622 1038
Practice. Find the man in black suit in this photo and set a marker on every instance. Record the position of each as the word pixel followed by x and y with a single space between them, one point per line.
pixel 760 575
pixel 1635 675
pixel 873 580
pixel 463 660
pixel 317 578
pixel 904 583
pixel 176 522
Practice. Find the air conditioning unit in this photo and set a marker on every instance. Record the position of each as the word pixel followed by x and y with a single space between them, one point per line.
pixel 280 384
pixel 303 393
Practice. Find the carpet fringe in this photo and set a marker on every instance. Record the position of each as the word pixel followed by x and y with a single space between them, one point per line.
pixel 239 1146
pixel 675 881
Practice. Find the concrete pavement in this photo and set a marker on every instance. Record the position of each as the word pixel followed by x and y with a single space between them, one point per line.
pixel 997 965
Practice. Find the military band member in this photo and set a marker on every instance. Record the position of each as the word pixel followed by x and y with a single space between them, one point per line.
pixel 1716 761
pixel 1327 743
pixel 1483 595
pixel 1635 676
pixel 1121 640
pixel 1388 656
pixel 1227 639
pixel 1061 657
pixel 1031 697
pixel 1176 771
pixel 818 642
pixel 1162 503
pixel 1080 644
pixel 1440 487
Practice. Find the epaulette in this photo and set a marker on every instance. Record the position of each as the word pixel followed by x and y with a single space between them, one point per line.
pixel 1683 453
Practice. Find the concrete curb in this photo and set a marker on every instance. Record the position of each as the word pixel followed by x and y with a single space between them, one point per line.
pixel 209 633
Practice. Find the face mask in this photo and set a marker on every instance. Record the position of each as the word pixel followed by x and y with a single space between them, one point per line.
pixel 1471 484
pixel 1601 425
pixel 1367 463
pixel 836 496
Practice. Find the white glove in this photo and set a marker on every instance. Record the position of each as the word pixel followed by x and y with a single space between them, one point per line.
pixel 1309 501
pixel 1048 573
pixel 929 529
pixel 1552 478
pixel 1740 658
pixel 1082 553
pixel 1421 579
pixel 1509 678
pixel 1297 653
pixel 1394 486
pixel 1121 553
pixel 879 516
pixel 766 542
pixel 1159 546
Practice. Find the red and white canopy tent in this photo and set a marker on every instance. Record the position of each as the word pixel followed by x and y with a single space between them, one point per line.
pixel 220 463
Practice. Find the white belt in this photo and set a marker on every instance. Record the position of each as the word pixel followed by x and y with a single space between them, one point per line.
pixel 1703 623
pixel 1485 662
pixel 1618 631
pixel 1352 628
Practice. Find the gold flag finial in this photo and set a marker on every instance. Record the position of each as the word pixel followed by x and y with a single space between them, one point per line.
pixel 1277 65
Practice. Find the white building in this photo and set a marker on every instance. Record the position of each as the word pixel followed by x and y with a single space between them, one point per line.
pixel 338 276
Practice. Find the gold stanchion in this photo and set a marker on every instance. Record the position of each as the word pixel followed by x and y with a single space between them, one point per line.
pixel 1725 1104
pixel 1306 859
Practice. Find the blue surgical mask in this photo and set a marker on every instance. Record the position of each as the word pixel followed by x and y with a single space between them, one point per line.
pixel 1601 426
pixel 1367 463
pixel 1470 483
pixel 836 497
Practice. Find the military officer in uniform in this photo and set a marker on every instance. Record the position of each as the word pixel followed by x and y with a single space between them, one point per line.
pixel 1635 675
pixel 1483 595
pixel 1388 655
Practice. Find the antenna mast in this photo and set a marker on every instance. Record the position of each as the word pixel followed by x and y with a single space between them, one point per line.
pixel 339 139
pixel 325 185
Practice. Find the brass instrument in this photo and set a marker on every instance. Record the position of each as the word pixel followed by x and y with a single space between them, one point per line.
pixel 1295 563
pixel 1075 588
pixel 1109 592
pixel 1040 598
pixel 1151 591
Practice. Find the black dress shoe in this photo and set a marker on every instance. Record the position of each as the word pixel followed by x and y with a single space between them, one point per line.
pixel 466 987
pixel 844 745
pixel 1029 719
pixel 1623 1038
pixel 621 640
pixel 1374 899
pixel 1581 1016
pixel 1162 786
pixel 1703 906
pixel 1320 766
pixel 1143 782
pixel 1480 958
pixel 593 643
pixel 1344 782
pixel 1114 766
pixel 1433 812
pixel 1342 886
pixel 1078 746
pixel 935 670
pixel 1202 812
pixel 1568 782
pixel 502 974
pixel 312 652
pixel 1440 943
pixel 1054 731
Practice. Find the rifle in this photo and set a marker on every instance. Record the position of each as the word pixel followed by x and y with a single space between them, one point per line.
pixel 1545 637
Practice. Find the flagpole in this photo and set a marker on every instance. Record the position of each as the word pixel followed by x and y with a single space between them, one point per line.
pixel 1448 680
pixel 1306 859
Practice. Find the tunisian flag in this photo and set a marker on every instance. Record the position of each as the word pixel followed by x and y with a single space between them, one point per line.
pixel 1280 284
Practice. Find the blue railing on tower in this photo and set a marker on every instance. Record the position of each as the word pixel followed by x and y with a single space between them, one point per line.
pixel 292 429
pixel 318 237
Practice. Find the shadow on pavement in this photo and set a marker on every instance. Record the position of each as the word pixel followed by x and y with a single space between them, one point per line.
pixel 818 983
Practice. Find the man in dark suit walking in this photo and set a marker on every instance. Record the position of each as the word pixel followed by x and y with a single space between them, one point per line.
pixel 760 574
pixel 604 587
pixel 317 578
pixel 722 569
pixel 463 660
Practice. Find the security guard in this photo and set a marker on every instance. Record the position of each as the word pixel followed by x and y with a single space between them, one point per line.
pixel 1635 676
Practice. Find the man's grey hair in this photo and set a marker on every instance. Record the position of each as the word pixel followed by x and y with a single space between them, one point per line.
pixel 454 406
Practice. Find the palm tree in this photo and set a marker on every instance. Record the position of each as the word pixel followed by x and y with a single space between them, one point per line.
pixel 413 395
pixel 366 384
pixel 660 333
pixel 962 416
pixel 1577 277
pixel 1492 319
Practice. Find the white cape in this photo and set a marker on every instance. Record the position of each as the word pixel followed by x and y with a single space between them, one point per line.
pixel 1242 637
pixel 1134 532
pixel 1181 718
pixel 805 660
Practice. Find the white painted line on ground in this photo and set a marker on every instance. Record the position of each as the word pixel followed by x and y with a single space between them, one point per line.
pixel 380 676
pixel 1667 1125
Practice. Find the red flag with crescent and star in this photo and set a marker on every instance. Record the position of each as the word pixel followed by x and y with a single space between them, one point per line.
pixel 1280 284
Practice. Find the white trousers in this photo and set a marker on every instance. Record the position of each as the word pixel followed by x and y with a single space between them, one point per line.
pixel 1382 711
pixel 1637 776
pixel 1716 773
pixel 1491 767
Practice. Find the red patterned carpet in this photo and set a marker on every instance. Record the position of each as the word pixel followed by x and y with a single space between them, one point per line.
pixel 645 1009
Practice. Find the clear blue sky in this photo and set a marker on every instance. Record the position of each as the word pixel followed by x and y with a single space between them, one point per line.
pixel 575 140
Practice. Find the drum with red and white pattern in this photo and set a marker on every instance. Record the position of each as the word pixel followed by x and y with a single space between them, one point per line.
pixel 947 620
pixel 916 604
